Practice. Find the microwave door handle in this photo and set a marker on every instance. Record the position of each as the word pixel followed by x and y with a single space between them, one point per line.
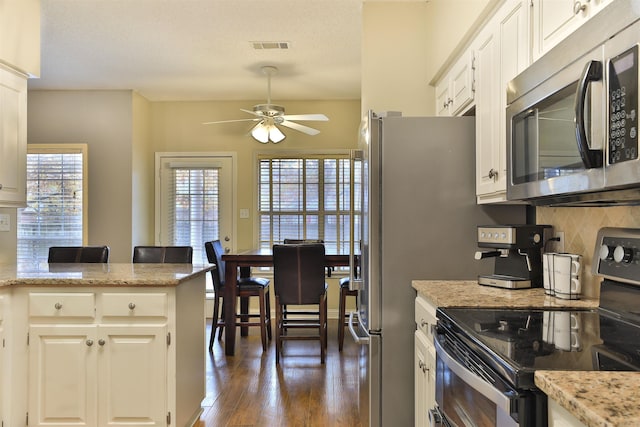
pixel 592 73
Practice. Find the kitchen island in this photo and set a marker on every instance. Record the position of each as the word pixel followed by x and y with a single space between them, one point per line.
pixel 594 398
pixel 102 344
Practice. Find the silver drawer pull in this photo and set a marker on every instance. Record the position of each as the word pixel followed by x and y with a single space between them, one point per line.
pixel 101 342
pixel 423 323
pixel 89 343
pixel 58 306
pixel 131 306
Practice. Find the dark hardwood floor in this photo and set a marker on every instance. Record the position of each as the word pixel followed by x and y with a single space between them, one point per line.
pixel 248 389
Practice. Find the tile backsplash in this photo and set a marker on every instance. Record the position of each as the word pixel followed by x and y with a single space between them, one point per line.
pixel 580 226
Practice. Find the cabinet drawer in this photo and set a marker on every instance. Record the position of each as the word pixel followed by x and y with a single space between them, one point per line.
pixel 134 305
pixel 425 317
pixel 59 305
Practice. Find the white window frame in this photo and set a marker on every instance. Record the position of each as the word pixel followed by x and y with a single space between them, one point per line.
pixel 74 148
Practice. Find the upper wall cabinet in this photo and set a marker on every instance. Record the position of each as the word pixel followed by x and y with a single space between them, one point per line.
pixel 553 20
pixel 501 52
pixel 455 92
pixel 20 35
pixel 13 137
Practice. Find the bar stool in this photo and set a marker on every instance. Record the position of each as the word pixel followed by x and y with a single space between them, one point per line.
pixel 343 320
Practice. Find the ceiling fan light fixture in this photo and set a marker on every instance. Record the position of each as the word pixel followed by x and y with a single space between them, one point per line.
pixel 260 132
pixel 275 134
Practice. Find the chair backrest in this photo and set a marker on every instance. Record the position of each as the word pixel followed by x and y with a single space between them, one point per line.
pixel 298 273
pixel 94 254
pixel 301 241
pixel 163 254
pixel 214 256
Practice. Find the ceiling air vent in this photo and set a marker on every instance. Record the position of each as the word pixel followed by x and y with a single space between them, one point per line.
pixel 270 45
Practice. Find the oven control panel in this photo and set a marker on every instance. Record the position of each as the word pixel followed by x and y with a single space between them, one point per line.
pixel 617 254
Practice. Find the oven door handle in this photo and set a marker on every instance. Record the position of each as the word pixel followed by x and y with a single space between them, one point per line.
pixel 592 73
pixel 481 386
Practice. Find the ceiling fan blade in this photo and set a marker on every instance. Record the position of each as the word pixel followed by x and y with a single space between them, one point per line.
pixel 231 121
pixel 310 117
pixel 253 113
pixel 300 128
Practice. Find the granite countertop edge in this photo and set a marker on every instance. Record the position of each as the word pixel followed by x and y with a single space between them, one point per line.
pixel 99 275
pixel 587 395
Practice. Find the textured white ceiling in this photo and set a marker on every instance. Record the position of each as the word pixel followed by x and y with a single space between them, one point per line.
pixel 200 49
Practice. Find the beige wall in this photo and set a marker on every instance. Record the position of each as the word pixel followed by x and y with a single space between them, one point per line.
pixel 103 120
pixel 142 175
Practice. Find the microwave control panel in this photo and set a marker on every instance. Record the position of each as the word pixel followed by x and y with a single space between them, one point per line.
pixel 623 106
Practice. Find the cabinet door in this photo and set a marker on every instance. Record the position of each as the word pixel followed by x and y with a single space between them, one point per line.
pixel 62 375
pixel 421 381
pixel 13 138
pixel 132 378
pixel 461 85
pixel 442 97
pixel 487 110
pixel 3 377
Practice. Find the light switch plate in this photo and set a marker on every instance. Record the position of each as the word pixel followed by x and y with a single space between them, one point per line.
pixel 5 222
pixel 244 213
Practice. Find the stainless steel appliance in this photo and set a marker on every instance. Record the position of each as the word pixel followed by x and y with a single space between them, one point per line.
pixel 418 218
pixel 517 254
pixel 572 116
pixel 486 358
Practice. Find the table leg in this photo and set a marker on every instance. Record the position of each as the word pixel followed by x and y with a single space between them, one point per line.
pixel 231 284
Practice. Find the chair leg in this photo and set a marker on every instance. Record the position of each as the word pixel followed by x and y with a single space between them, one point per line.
pixel 244 315
pixel 323 328
pixel 268 301
pixel 263 319
pixel 221 327
pixel 341 317
pixel 214 320
pixel 278 329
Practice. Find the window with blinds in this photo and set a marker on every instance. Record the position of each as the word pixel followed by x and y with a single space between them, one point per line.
pixel 193 208
pixel 56 200
pixel 305 198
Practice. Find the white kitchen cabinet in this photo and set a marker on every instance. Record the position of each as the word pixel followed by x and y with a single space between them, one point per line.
pixel 13 137
pixel 501 52
pixel 425 361
pixel 560 417
pixel 107 358
pixel 3 376
pixel 554 20
pixel 455 92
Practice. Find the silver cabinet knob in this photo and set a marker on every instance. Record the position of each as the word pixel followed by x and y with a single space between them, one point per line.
pixel 227 238
pixel 101 342
pixel 131 306
pixel 58 306
pixel 579 7
pixel 89 342
pixel 423 323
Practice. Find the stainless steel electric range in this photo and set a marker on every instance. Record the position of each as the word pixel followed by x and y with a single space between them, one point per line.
pixel 486 358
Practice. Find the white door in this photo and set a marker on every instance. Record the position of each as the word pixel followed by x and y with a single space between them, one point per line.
pixel 195 200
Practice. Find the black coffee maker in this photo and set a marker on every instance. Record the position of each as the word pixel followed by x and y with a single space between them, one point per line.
pixel 517 253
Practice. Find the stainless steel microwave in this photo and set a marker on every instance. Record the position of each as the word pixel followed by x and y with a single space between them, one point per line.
pixel 572 117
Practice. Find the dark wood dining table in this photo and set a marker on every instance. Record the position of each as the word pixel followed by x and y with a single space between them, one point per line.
pixel 240 264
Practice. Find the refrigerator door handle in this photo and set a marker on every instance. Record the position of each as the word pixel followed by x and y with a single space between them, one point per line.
pixel 359 339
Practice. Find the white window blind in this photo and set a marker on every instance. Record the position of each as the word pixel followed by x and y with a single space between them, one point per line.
pixel 193 207
pixel 305 198
pixel 54 215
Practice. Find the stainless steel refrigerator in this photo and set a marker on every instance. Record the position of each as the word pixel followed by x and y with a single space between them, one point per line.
pixel 417 220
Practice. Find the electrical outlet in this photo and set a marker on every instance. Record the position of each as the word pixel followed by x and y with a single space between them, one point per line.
pixel 558 245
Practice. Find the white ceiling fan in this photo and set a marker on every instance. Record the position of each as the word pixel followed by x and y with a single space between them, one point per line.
pixel 270 115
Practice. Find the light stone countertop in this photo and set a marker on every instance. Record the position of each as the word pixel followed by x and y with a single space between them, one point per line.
pixel 596 398
pixel 467 293
pixel 97 274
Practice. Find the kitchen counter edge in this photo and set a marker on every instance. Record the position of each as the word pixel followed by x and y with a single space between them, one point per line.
pixel 95 274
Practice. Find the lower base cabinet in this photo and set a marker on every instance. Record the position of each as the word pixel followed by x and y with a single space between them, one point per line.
pixel 97 375
pixel 424 361
pixel 560 417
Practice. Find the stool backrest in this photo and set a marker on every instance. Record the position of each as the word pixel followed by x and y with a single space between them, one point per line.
pixel 298 273
pixel 163 254
pixel 73 254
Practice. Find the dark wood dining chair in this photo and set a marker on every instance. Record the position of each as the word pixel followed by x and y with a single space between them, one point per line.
pixel 298 275
pixel 247 287
pixel 163 254
pixel 75 254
